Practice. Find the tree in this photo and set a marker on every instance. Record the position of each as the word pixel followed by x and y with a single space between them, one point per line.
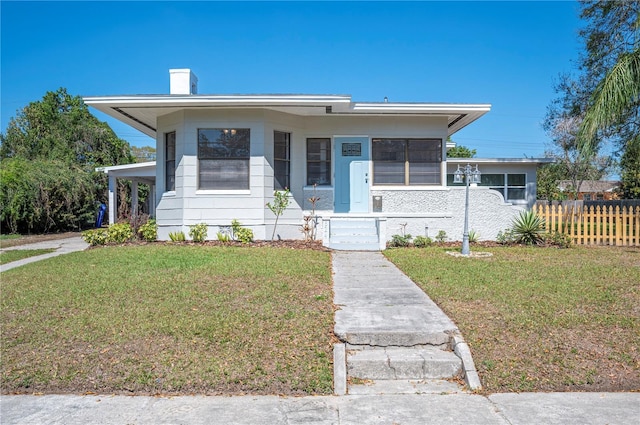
pixel 144 153
pixel 572 163
pixel 547 178
pixel 48 158
pixel 461 152
pixel 611 76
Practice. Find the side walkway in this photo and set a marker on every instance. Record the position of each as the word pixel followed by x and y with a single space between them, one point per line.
pixel 61 246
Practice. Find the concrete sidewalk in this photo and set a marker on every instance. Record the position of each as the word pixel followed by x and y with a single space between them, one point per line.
pixel 61 246
pixel 502 409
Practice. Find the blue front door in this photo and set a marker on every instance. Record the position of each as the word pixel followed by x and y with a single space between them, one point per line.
pixel 351 174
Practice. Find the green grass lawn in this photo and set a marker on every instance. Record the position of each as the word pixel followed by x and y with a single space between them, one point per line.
pixel 540 319
pixel 19 254
pixel 169 319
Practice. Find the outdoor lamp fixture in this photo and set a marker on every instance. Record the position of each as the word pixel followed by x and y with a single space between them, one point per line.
pixel 470 176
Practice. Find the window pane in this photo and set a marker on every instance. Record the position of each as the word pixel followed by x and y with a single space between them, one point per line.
pixel 319 161
pixel 281 145
pixel 170 146
pixel 318 173
pixel 491 180
pixel 425 151
pixel 281 174
pixel 318 149
pixel 424 173
pixel 224 174
pixel 223 143
pixel 388 173
pixel 515 193
pixel 170 161
pixel 516 179
pixel 170 182
pixel 388 150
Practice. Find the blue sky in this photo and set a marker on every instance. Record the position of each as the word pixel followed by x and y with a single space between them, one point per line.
pixel 508 54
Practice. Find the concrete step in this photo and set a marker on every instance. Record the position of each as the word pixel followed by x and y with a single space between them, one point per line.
pixel 354 246
pixel 350 231
pixel 403 363
pixel 403 386
pixel 354 239
pixel 337 223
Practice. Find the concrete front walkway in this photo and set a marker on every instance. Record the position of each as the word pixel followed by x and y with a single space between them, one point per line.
pixel 61 246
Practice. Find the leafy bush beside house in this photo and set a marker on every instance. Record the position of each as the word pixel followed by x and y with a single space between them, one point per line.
pixel 48 156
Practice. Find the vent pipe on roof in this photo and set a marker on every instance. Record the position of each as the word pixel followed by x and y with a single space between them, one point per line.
pixel 182 81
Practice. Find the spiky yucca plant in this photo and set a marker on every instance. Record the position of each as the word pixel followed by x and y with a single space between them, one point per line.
pixel 528 228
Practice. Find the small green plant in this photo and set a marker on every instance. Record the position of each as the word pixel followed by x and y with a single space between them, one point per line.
pixel 119 233
pixel 400 240
pixel 198 232
pixel 473 236
pixel 177 236
pixel 240 233
pixel 422 241
pixel 280 203
pixel 528 228
pixel 559 239
pixel 223 237
pixel 95 237
pixel 505 237
pixel 441 236
pixel 149 231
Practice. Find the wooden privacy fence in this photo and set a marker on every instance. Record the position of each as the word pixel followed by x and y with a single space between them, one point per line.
pixel 594 225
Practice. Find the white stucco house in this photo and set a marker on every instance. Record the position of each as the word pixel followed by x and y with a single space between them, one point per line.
pixel 377 168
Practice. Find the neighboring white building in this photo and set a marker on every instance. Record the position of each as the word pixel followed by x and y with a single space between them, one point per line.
pixel 377 165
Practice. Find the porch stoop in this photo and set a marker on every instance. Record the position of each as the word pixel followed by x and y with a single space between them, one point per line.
pixel 354 234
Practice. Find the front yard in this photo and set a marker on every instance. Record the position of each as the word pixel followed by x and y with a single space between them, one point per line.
pixel 540 319
pixel 162 319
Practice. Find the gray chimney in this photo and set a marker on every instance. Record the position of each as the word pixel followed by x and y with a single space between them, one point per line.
pixel 183 81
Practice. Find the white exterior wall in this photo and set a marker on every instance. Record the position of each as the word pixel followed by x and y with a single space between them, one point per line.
pixel 529 169
pixel 426 212
pixel 438 207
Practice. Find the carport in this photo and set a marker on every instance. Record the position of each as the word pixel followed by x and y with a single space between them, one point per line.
pixel 144 172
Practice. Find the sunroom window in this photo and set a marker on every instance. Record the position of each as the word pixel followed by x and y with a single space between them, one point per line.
pixel 223 158
pixel 406 161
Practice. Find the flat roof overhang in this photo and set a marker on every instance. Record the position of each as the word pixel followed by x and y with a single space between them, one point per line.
pixel 142 111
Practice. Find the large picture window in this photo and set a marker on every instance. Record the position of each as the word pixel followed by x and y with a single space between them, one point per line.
pixel 281 160
pixel 223 158
pixel 170 161
pixel 406 161
pixel 512 186
pixel 319 161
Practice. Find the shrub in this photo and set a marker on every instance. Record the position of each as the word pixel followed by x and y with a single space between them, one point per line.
pixel 198 232
pixel 119 233
pixel 441 236
pixel 505 237
pixel 177 236
pixel 240 233
pixel 223 237
pixel 422 241
pixel 559 239
pixel 528 228
pixel 95 236
pixel 148 231
pixel 400 240
pixel 473 236
pixel 280 203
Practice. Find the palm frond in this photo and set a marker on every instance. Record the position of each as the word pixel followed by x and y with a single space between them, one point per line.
pixel 616 94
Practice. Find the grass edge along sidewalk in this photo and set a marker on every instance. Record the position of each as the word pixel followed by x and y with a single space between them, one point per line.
pixel 540 319
pixel 162 319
